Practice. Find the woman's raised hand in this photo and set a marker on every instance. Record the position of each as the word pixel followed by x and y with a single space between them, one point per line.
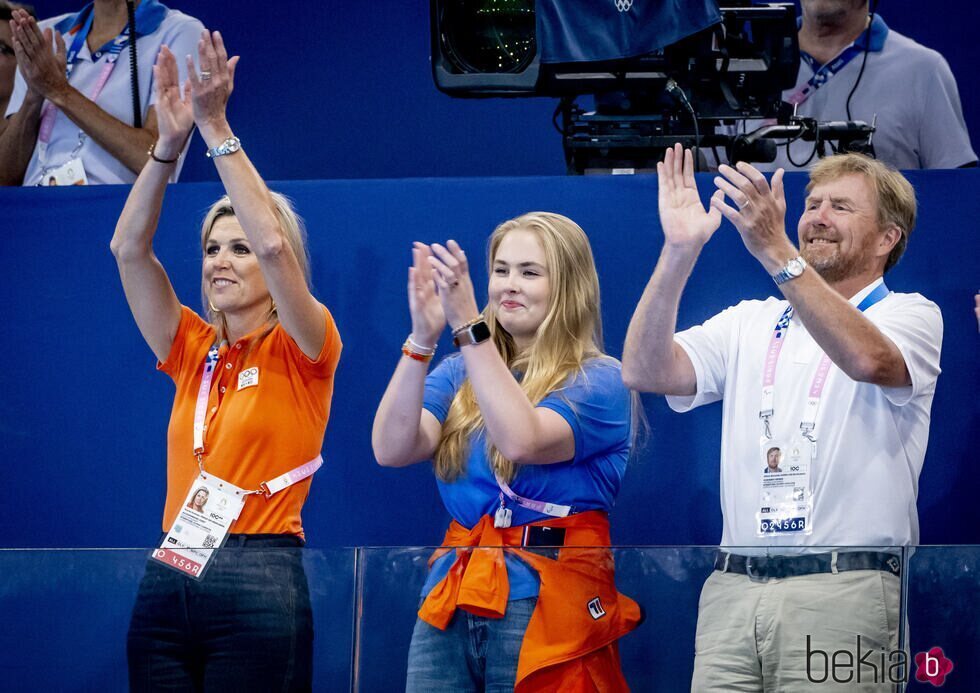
pixel 174 115
pixel 428 318
pixel 452 278
pixel 211 88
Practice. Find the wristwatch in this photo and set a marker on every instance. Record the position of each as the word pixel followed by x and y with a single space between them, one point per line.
pixel 472 334
pixel 229 146
pixel 792 270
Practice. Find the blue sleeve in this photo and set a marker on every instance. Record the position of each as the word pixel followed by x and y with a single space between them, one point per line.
pixel 441 385
pixel 597 406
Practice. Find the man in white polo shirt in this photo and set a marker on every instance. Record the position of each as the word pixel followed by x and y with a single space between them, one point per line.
pixel 840 377
pixel 72 118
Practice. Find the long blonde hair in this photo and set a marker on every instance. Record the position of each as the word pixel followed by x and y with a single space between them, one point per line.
pixel 570 334
pixel 293 231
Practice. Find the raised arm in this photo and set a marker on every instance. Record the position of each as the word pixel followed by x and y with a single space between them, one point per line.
pixel 404 433
pixel 44 72
pixel 299 313
pixel 652 360
pixel 148 290
pixel 844 333
pixel 523 433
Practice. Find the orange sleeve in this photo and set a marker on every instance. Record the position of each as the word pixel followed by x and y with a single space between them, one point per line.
pixel 190 331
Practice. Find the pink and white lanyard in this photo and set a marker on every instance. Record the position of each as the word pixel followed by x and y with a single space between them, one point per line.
pixel 49 112
pixel 808 422
pixel 266 488
pixel 551 509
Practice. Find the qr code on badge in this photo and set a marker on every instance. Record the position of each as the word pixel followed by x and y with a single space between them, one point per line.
pixel 208 542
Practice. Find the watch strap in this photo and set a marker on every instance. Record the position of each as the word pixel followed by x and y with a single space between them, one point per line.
pixel 229 146
pixel 473 333
pixel 791 270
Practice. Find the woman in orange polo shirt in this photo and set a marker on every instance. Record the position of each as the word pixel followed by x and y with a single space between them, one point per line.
pixel 253 387
pixel 529 428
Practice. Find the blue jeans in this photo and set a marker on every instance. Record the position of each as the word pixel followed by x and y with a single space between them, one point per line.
pixel 474 653
pixel 246 626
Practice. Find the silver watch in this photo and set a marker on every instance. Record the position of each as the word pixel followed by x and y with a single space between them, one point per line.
pixel 229 146
pixel 792 270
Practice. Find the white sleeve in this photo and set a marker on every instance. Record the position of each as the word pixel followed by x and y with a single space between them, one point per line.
pixel 916 327
pixel 943 138
pixel 708 345
pixel 181 38
pixel 17 95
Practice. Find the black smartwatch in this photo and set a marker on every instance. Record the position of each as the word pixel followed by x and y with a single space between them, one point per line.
pixel 472 334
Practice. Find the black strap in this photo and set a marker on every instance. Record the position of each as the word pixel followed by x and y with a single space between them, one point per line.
pixel 134 73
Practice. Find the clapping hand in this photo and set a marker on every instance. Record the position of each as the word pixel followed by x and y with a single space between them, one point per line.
pixel 210 90
pixel 428 318
pixel 175 116
pixel 759 213
pixel 451 273
pixel 43 68
pixel 685 221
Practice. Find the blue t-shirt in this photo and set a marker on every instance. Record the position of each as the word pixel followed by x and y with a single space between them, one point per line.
pixel 597 406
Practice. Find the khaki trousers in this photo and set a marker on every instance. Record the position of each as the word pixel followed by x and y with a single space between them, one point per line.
pixel 822 632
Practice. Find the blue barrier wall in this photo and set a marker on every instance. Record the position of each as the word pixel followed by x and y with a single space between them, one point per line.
pixel 353 82
pixel 83 414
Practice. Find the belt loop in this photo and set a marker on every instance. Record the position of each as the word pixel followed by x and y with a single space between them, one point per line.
pixel 728 557
pixel 833 562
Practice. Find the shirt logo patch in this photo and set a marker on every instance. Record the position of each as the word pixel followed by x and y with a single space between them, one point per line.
pixel 248 378
pixel 595 608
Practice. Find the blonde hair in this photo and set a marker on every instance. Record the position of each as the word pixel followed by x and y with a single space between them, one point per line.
pixel 894 195
pixel 570 333
pixel 293 231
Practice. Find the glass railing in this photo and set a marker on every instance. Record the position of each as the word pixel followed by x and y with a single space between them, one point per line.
pixel 66 614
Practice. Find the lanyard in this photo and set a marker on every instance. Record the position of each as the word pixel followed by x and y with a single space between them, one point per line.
pixel 49 112
pixel 815 392
pixel 552 509
pixel 266 488
pixel 822 75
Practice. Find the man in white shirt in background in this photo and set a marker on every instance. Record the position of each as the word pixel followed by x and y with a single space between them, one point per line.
pixel 854 67
pixel 840 376
pixel 72 119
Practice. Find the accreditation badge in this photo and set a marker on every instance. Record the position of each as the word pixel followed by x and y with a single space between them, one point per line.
pixel 70 173
pixel 206 515
pixel 785 496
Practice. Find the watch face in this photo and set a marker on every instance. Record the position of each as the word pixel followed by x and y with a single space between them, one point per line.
pixel 480 332
pixel 794 267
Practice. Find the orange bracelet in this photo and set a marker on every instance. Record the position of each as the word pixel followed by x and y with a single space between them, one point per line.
pixel 424 358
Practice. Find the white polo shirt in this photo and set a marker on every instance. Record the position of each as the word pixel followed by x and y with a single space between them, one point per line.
pixel 871 439
pixel 161 25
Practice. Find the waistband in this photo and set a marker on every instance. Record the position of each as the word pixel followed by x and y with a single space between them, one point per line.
pixel 256 540
pixel 264 540
pixel 766 567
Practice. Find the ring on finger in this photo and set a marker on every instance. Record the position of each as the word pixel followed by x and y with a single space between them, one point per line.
pixel 205 75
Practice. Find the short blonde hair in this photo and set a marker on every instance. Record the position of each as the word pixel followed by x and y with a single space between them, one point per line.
pixel 293 230
pixel 894 195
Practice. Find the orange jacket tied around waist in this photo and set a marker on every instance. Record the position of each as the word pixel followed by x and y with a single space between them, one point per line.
pixel 570 642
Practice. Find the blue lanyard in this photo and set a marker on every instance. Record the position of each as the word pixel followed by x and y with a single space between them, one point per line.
pixel 76 45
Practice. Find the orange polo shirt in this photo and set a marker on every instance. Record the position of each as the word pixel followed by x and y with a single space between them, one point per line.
pixel 255 432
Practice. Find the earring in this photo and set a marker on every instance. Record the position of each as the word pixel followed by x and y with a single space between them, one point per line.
pixel 211 306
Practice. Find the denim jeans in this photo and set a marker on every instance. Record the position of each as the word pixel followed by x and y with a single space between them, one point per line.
pixel 474 653
pixel 246 626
